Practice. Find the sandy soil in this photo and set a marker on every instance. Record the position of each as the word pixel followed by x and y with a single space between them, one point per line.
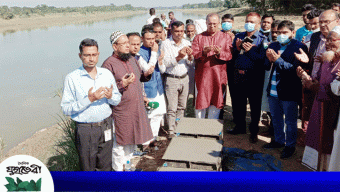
pixel 59 19
pixel 41 144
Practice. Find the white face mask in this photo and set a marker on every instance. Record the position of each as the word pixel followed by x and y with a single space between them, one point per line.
pixel 283 39
pixel 316 30
pixel 265 31
pixel 249 27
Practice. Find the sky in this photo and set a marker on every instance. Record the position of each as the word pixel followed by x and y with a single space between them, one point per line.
pixel 83 3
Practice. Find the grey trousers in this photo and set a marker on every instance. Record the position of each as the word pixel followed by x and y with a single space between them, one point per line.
pixel 176 91
pixel 94 153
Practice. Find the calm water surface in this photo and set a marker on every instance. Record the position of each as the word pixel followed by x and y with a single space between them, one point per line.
pixel 34 64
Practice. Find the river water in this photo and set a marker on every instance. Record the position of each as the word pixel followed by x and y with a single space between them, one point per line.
pixel 34 63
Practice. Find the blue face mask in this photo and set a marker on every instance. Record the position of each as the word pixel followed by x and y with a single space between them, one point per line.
pixel 250 27
pixel 226 26
pixel 283 39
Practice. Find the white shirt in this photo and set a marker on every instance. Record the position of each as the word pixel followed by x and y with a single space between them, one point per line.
pixel 171 50
pixel 149 21
pixel 152 62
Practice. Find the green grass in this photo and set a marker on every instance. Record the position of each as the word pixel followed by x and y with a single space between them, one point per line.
pixel 66 158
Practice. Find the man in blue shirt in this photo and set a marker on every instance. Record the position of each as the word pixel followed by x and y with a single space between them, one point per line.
pixel 305 30
pixel 284 88
pixel 88 93
pixel 248 59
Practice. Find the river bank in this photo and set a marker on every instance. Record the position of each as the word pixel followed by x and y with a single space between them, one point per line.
pixel 58 19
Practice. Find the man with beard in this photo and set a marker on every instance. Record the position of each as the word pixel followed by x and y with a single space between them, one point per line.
pixel 88 93
pixel 130 118
pixel 324 114
pixel 284 88
pixel 154 88
pixel 211 50
pixel 327 21
pixel 305 30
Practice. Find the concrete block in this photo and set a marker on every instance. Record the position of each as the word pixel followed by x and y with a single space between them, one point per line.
pixel 200 127
pixel 192 150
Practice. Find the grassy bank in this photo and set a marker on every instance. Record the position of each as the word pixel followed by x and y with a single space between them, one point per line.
pixel 38 21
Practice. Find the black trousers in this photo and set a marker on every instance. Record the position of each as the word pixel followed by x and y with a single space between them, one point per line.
pixel 94 153
pixel 248 86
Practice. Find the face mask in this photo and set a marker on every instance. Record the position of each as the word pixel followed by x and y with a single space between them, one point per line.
pixel 226 26
pixel 250 27
pixel 316 30
pixel 265 31
pixel 283 39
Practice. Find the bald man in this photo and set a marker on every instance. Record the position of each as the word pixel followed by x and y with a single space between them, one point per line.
pixel 211 50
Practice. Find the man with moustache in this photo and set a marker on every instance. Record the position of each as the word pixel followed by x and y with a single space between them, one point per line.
pixel 177 59
pixel 284 88
pixel 88 93
pixel 190 32
pixel 327 21
pixel 154 88
pixel 159 33
pixel 266 23
pixel 130 119
pixel 248 59
pixel 211 50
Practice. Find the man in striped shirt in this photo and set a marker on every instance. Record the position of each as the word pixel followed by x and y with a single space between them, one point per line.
pixel 284 88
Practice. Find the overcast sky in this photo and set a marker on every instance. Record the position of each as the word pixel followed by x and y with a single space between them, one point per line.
pixel 83 3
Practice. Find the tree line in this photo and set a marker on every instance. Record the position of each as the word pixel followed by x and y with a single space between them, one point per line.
pixel 11 12
pixel 215 4
pixel 289 6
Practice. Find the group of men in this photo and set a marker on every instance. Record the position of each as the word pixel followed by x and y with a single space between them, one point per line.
pixel 265 65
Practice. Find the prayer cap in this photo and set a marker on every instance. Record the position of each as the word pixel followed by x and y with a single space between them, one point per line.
pixel 114 36
pixel 336 29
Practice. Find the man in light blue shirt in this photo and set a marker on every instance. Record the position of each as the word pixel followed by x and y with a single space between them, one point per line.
pixel 305 30
pixel 88 93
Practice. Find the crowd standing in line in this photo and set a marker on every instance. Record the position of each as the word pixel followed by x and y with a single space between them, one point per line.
pixel 285 74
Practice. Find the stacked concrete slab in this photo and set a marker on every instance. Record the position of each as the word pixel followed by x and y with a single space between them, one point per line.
pixel 197 147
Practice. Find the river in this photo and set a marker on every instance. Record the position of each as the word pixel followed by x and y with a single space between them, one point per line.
pixel 34 64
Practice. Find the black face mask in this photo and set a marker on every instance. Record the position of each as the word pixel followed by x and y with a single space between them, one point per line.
pixel 124 56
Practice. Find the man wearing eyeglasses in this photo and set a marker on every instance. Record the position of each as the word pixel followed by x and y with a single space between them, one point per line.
pixel 327 21
pixel 131 123
pixel 88 93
